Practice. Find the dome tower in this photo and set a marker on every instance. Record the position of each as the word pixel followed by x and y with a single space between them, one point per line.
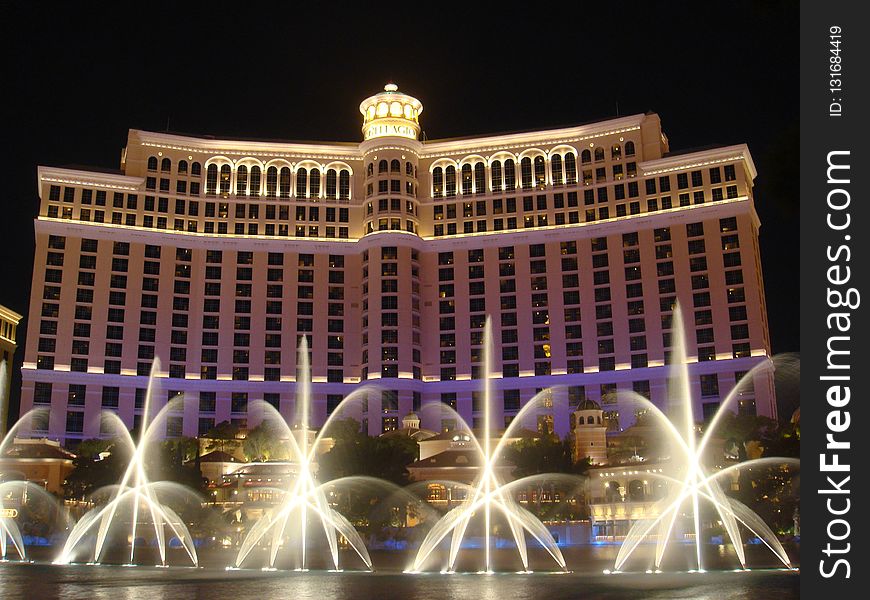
pixel 391 263
pixel 590 439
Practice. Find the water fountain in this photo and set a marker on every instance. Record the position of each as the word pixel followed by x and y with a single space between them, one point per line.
pixel 489 492
pixel 304 496
pixel 135 496
pixel 690 481
pixel 17 494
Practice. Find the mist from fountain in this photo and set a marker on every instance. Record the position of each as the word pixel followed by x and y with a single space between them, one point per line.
pixel 489 492
pixel 691 481
pixel 135 496
pixel 304 494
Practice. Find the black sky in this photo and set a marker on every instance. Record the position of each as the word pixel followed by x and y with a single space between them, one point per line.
pixel 716 73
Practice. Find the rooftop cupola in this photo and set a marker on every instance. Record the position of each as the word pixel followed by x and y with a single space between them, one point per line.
pixel 391 114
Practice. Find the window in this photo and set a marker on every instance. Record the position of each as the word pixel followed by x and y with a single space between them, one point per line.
pixel 110 396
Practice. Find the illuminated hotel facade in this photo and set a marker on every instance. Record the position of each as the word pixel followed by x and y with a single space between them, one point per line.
pixel 216 256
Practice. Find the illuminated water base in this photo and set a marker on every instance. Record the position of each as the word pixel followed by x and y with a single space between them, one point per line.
pixel 304 496
pixel 691 482
pixel 489 494
pixel 135 496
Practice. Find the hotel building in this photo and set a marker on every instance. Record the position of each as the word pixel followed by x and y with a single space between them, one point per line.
pixel 216 256
pixel 9 320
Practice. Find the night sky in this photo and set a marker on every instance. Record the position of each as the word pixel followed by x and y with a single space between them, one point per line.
pixel 716 73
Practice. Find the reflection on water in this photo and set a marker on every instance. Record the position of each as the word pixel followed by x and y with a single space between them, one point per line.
pixel 89 583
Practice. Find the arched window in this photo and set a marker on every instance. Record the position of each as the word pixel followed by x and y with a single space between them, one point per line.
pixel 255 182
pixel 495 175
pixel 165 165
pixel 284 182
pixel 540 172
pixel 526 173
pixel 556 167
pixel 437 182
pixel 570 168
pixel 344 184
pixel 629 148
pixel 382 166
pixel 590 420
pixel 409 168
pixel 586 157
pixel 182 166
pixel 152 163
pixel 479 178
pixel 616 151
pixel 510 175
pixel 242 181
pixel 467 179
pixel 271 182
pixel 395 166
pixel 370 169
pixel 195 169
pixel 450 181
pixel 314 184
pixel 211 179
pixel 302 183
pixel 226 177
pixel 331 183
pixel 599 154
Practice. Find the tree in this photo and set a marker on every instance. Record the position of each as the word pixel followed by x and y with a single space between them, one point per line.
pixel 167 461
pixel 98 463
pixel 222 436
pixel 770 491
pixel 356 454
pixel 264 442
pixel 547 455
pixel 743 429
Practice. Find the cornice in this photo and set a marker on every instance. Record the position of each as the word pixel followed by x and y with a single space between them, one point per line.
pixel 496 143
pixel 680 162
pixel 91 178
pixel 168 141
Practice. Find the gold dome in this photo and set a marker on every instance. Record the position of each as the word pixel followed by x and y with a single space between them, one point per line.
pixel 391 114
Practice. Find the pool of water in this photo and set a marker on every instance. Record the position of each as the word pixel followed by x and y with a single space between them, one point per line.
pixel 149 583
pixel 586 579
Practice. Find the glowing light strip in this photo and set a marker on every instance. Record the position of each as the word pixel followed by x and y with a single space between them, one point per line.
pixel 683 166
pixel 242 153
pixel 92 183
pixel 198 233
pixel 588 223
pixel 401 148
pixel 529 144
pixel 592 369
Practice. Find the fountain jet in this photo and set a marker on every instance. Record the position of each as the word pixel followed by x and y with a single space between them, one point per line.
pixel 691 481
pixel 17 494
pixel 304 494
pixel 489 492
pixel 133 493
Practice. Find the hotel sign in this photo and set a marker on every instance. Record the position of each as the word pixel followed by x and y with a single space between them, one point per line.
pixel 376 130
pixel 8 513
